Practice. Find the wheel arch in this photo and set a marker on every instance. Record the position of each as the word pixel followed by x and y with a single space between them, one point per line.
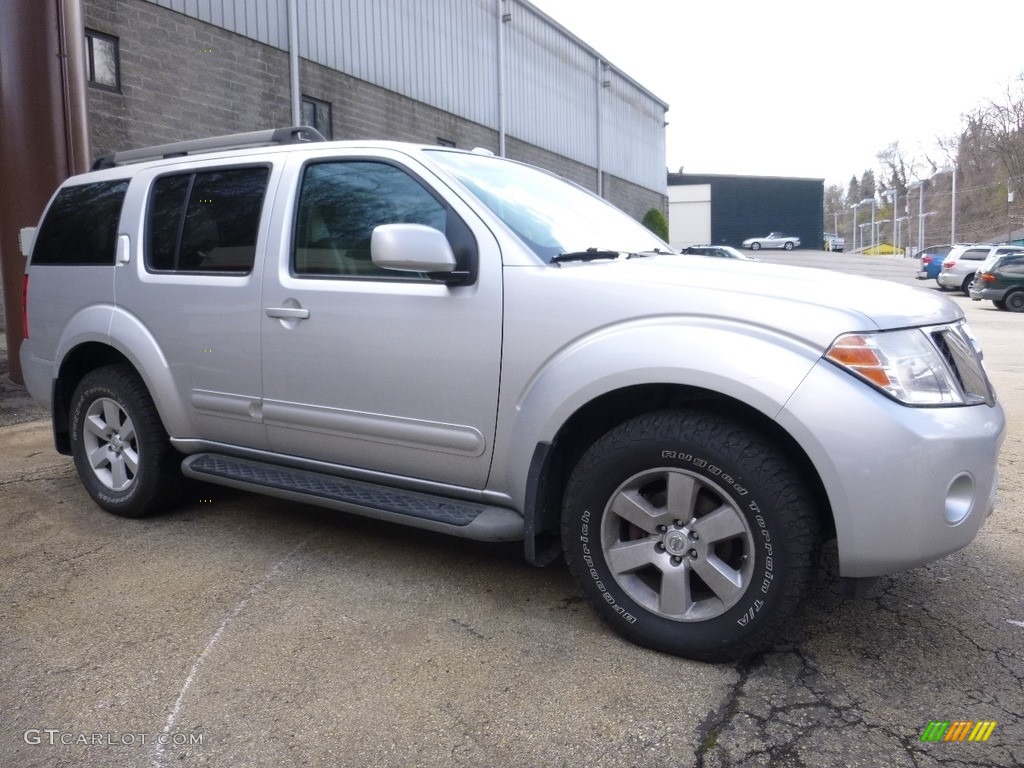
pixel 75 365
pixel 554 460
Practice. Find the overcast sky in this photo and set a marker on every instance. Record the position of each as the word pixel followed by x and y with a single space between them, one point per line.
pixel 810 88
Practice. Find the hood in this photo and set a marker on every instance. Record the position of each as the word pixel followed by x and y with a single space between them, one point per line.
pixel 813 305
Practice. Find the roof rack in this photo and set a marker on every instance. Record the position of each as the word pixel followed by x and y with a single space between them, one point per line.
pixel 294 135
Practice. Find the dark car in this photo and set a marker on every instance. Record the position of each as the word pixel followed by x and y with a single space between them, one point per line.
pixel 1002 282
pixel 931 259
pixel 718 252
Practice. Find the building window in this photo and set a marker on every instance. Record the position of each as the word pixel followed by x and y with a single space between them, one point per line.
pixel 102 60
pixel 317 114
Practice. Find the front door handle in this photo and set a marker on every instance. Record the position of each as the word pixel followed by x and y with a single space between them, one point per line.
pixel 287 313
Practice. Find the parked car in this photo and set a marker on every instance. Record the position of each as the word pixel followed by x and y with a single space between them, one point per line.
pixel 1001 281
pixel 962 263
pixel 834 242
pixel 718 252
pixel 469 345
pixel 772 240
pixel 930 261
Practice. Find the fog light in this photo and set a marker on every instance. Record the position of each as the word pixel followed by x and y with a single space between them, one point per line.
pixel 959 498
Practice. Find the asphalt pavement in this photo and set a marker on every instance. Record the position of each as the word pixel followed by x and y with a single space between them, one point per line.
pixel 247 631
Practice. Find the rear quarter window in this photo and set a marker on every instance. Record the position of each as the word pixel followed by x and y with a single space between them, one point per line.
pixel 80 228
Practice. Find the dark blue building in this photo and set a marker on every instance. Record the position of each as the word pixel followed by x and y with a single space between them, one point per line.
pixel 753 206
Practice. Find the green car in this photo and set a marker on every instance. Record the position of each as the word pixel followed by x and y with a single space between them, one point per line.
pixel 1001 281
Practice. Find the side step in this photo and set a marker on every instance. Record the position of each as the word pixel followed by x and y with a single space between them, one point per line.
pixel 457 517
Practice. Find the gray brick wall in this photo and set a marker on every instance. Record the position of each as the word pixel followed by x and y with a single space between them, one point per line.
pixel 182 78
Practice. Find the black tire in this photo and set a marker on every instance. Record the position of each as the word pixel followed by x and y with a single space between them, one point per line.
pixel 965 286
pixel 1000 304
pixel 788 246
pixel 1014 301
pixel 134 471
pixel 750 511
pixel 755 246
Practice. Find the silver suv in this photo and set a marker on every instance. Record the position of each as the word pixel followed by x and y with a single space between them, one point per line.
pixel 466 344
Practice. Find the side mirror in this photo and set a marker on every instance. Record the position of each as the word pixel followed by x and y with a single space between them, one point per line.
pixel 415 248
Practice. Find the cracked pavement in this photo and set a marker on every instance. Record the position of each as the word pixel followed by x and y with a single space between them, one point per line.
pixel 278 634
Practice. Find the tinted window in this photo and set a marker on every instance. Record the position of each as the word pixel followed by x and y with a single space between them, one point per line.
pixel 975 254
pixel 206 221
pixel 340 204
pixel 81 225
pixel 1011 265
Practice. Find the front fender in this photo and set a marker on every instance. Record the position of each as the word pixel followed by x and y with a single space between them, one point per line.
pixel 751 364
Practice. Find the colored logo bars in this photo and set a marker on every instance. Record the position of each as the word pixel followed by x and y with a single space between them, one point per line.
pixel 958 730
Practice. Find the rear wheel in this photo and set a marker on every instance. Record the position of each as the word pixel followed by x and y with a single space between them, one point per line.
pixel 120 447
pixel 1014 301
pixel 965 286
pixel 691 534
pixel 788 246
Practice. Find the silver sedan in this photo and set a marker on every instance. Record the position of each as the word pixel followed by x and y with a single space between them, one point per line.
pixel 772 240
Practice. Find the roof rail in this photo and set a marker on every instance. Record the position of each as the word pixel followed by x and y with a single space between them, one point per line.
pixel 293 135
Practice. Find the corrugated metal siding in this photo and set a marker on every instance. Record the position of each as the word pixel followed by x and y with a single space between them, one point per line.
pixel 633 131
pixel 444 53
pixel 552 89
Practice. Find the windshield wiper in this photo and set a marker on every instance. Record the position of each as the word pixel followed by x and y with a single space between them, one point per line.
pixel 588 255
pixel 653 252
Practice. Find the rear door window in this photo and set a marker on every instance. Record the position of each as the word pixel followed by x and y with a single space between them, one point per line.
pixel 206 221
pixel 80 227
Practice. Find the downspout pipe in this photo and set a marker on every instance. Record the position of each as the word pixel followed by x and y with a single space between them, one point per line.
pixel 293 60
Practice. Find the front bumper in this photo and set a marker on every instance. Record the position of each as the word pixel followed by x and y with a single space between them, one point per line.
pixel 906 485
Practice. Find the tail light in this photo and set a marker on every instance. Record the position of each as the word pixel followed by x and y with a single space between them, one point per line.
pixel 926 260
pixel 949 264
pixel 987 277
pixel 24 307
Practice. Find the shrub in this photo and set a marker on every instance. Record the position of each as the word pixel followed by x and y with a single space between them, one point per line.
pixel 655 221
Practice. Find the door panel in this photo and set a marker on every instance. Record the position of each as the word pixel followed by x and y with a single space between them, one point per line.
pixel 377 369
pixel 194 282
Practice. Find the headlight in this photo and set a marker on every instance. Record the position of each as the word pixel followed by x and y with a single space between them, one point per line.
pixel 904 364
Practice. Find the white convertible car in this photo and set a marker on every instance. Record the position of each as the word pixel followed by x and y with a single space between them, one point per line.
pixel 772 240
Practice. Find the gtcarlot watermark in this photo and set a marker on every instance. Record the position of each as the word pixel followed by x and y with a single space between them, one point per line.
pixel 55 736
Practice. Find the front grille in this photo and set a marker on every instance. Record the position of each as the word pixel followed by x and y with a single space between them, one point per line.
pixel 964 359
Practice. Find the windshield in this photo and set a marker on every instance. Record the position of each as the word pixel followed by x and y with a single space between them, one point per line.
pixel 550 215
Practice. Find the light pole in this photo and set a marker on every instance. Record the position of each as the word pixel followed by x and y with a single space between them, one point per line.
pixel 920 212
pixel 893 196
pixel 865 201
pixel 853 228
pixel 879 224
pixel 899 233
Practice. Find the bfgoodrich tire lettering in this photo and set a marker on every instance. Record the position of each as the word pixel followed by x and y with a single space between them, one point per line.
pixel 691 534
pixel 120 447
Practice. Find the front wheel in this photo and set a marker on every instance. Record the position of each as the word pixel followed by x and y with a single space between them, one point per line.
pixel 1014 301
pixel 119 444
pixel 691 534
pixel 755 246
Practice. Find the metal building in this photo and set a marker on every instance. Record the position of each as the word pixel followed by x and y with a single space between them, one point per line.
pixel 499 74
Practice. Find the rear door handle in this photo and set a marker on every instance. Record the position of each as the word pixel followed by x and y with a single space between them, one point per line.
pixel 287 313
